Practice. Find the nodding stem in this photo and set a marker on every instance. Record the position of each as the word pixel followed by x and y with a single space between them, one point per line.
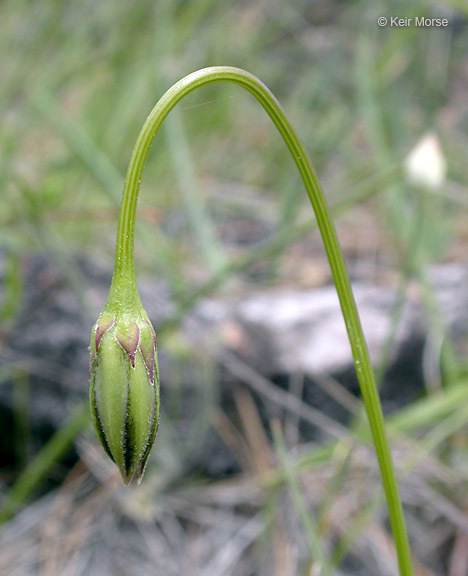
pixel 124 271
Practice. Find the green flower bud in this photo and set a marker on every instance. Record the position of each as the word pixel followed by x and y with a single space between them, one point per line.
pixel 124 389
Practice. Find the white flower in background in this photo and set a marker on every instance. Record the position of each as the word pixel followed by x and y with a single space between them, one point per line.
pixel 425 165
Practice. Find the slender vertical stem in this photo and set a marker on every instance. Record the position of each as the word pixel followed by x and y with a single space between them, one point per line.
pixel 124 271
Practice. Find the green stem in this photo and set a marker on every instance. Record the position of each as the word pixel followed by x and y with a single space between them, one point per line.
pixel 124 270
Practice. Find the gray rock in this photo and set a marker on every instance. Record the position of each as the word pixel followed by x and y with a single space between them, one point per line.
pixel 278 332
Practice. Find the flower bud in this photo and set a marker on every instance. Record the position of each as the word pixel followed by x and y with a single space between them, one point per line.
pixel 124 389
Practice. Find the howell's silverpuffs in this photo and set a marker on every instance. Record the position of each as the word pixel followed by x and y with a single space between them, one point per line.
pixel 123 376
pixel 124 388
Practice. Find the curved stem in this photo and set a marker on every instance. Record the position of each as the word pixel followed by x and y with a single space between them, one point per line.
pixel 124 272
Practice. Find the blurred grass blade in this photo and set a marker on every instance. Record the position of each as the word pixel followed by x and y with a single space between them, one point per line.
pixel 81 144
pixel 12 286
pixel 55 448
pixel 314 541
pixel 192 197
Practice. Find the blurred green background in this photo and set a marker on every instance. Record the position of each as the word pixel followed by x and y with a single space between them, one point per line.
pixel 222 212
